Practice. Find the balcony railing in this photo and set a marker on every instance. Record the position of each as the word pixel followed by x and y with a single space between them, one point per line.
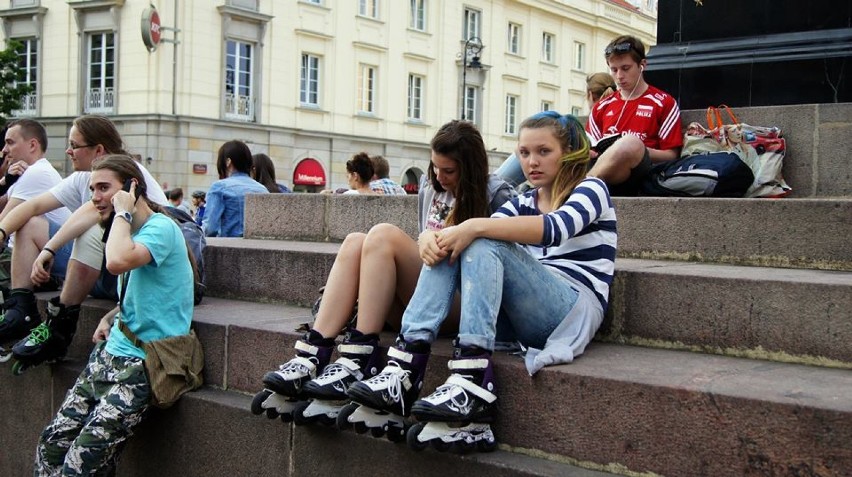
pixel 29 106
pixel 100 101
pixel 238 107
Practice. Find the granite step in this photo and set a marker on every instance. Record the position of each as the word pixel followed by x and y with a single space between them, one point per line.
pixel 649 410
pixel 730 309
pixel 801 233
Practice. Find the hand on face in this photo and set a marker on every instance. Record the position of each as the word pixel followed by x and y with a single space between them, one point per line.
pixel 125 201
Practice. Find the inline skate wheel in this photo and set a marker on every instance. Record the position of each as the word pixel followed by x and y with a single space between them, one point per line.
pixel 361 428
pixel 486 445
pixel 395 434
pixel 18 368
pixel 299 414
pixel 257 402
pixel 440 445
pixel 343 417
pixel 271 413
pixel 377 432
pixel 287 417
pixel 412 435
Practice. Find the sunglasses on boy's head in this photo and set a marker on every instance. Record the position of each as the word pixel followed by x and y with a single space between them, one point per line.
pixel 621 48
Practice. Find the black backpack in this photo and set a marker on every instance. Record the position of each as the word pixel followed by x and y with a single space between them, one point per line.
pixel 195 242
pixel 715 174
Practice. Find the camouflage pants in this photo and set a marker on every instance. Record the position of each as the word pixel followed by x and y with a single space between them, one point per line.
pixel 95 419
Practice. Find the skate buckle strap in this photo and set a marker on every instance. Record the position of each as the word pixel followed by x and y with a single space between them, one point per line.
pixel 467 364
pixel 349 348
pixel 53 309
pixel 342 364
pixel 469 386
pixel 297 363
pixel 399 354
pixel 307 348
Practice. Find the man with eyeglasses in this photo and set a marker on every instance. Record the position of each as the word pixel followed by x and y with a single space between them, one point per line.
pixel 643 121
pixel 90 138
pixel 30 174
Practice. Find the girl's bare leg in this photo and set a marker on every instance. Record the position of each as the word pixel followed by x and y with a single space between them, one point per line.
pixel 341 288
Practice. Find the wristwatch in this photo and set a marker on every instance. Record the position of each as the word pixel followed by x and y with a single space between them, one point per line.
pixel 126 216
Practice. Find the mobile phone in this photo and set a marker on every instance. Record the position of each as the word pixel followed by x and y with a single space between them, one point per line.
pixel 127 185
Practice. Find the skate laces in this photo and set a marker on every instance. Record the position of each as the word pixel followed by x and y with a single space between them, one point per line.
pixel 299 365
pixel 39 334
pixel 458 399
pixel 342 365
pixel 392 377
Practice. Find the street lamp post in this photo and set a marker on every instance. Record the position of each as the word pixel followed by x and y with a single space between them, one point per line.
pixel 472 48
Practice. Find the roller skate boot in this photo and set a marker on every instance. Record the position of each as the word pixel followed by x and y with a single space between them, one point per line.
pixel 381 403
pixel 282 394
pixel 458 414
pixel 359 360
pixel 20 315
pixel 48 341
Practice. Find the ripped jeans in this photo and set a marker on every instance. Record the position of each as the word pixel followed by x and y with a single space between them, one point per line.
pixel 491 276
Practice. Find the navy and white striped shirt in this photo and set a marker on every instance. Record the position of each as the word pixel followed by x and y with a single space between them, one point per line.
pixel 579 238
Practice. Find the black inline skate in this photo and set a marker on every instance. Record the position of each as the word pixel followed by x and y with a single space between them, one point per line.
pixel 48 341
pixel 359 359
pixel 381 404
pixel 458 414
pixel 283 389
pixel 20 315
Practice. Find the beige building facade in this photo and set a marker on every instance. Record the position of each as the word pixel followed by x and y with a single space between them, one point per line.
pixel 309 82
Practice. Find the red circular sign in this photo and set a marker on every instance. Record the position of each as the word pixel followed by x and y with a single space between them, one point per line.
pixel 151 28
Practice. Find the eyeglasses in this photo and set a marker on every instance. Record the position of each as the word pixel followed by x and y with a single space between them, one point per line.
pixel 74 147
pixel 621 48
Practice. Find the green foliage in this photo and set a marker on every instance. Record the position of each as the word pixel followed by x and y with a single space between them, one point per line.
pixel 12 90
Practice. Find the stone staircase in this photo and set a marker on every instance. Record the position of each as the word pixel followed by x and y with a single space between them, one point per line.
pixel 726 350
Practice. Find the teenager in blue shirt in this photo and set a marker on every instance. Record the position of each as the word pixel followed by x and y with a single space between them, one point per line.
pixel 225 212
pixel 112 393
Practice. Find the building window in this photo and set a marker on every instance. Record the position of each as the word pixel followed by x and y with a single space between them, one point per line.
pixel 418 15
pixel 470 101
pixel 100 81
pixel 239 73
pixel 579 56
pixel 315 2
pixel 471 24
pixel 247 4
pixel 368 8
pixel 546 106
pixel 415 98
pixel 511 114
pixel 28 63
pixel 514 39
pixel 547 44
pixel 309 81
pixel 576 110
pixel 367 89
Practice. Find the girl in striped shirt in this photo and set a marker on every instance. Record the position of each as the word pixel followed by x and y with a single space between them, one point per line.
pixel 540 269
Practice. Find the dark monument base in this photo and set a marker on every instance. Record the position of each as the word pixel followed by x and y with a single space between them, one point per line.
pixel 753 53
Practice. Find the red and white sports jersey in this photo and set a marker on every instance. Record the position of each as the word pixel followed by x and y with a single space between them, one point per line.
pixel 654 117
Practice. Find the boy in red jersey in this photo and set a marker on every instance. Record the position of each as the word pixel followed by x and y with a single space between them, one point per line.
pixel 646 118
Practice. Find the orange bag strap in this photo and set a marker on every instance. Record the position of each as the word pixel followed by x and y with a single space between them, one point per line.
pixel 714 116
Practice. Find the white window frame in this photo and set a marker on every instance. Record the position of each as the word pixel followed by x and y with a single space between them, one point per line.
pixel 414 111
pixel 548 43
pixel 239 88
pixel 28 62
pixel 313 2
pixel 309 81
pixel 472 23
pixel 417 15
pixel 511 116
pixel 579 56
pixel 576 111
pixel 368 8
pixel 470 103
pixel 367 86
pixel 546 105
pixel 513 38
pixel 100 90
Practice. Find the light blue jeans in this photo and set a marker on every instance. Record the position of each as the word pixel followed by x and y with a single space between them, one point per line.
pixel 511 171
pixel 495 279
